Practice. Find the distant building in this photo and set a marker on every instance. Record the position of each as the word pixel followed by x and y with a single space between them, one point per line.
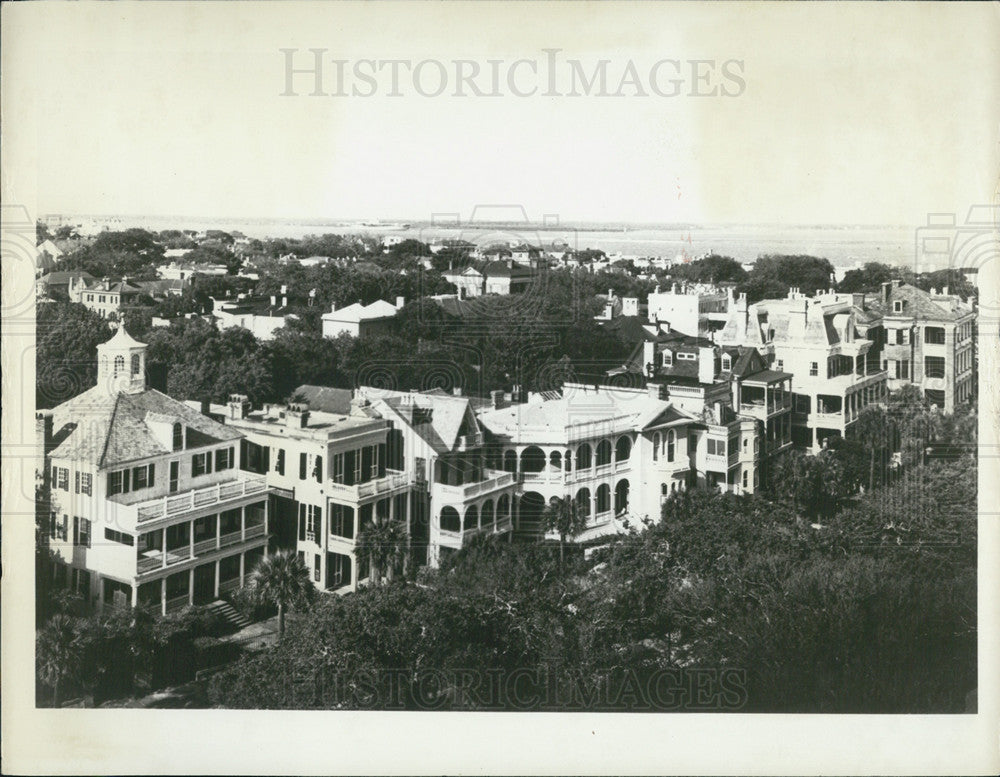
pixel 501 277
pixel 104 297
pixel 58 283
pixel 185 271
pixel 694 309
pixel 47 253
pixel 359 320
pixel 261 316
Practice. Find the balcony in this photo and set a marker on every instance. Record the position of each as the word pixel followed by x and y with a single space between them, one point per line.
pixel 495 480
pixel 196 499
pixel 385 485
pixel 151 560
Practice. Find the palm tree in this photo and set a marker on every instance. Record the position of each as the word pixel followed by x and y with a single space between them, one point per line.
pixel 565 517
pixel 872 431
pixel 283 580
pixel 57 653
pixel 382 543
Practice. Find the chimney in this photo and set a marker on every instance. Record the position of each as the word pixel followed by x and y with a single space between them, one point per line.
pixel 797 314
pixel 400 301
pixel 665 327
pixel 297 415
pixel 630 306
pixel 858 300
pixel 718 412
pixel 886 291
pixel 496 399
pixel 456 391
pixel 239 406
pixel 206 407
pixel 284 302
pixel 706 364
pixel 649 364
pixel 945 291
pixel 43 431
pixel 655 390
pixel 333 307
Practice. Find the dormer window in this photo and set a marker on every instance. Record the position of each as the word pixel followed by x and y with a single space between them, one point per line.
pixel 727 362
pixel 178 437
pixel 897 306
pixel 668 359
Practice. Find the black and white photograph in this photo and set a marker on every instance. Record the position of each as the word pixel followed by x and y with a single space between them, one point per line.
pixel 376 371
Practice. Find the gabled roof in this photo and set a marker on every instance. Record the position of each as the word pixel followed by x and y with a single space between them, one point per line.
pixel 358 312
pixel 106 430
pixel 438 418
pixel 918 304
pixel 62 277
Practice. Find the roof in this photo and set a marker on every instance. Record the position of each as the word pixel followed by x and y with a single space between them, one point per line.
pixel 324 398
pixel 106 429
pixel 919 304
pixel 444 419
pixel 62 277
pixel 767 376
pixel 122 339
pixel 358 312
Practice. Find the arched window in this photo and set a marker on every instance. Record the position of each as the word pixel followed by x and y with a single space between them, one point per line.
pixel 178 437
pixel 503 507
pixel 623 448
pixel 603 498
pixel 621 496
pixel 119 365
pixel 555 460
pixel 583 502
pixel 670 445
pixel 471 518
pixel 532 459
pixel 656 446
pixel 450 520
pixel 583 457
pixel 136 367
pixel 486 516
pixel 510 461
pixel 603 453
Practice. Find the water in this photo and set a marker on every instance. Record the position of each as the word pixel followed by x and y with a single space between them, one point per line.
pixel 842 245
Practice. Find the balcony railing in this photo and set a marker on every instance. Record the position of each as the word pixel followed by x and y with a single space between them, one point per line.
pixel 358 491
pixel 152 560
pixel 227 586
pixel 494 481
pixel 177 603
pixel 204 546
pixel 254 531
pixel 168 506
pixel 231 538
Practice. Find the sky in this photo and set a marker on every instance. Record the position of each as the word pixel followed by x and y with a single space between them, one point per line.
pixel 874 114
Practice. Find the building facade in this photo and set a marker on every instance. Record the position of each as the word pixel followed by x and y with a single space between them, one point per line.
pixel 149 504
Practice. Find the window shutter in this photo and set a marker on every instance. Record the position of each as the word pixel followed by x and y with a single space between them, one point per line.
pixel 152 473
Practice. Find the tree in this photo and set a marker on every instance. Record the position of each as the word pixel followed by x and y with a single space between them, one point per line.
pixel 774 274
pixel 283 580
pixel 57 653
pixel 869 278
pixel 563 516
pixel 873 430
pixel 66 351
pixel 382 544
pixel 710 269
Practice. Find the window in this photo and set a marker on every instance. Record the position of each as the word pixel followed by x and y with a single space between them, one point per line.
pixel 178 437
pixel 745 478
pixel 727 362
pixel 670 445
pixel 279 464
pixel 904 369
pixel 119 365
pixel 814 369
pixel 717 447
pixel 309 521
pixel 224 458
pixel 302 466
pixel 174 475
pixel 81 582
pixel 905 333
pixel 118 482
pixel 934 366
pixel 668 359
pixel 120 537
pixel 342 521
pixel 316 567
pixel 779 364
pixel 201 464
pixel 934 335
pixel 318 469
pixel 338 468
pixel 656 446
pixel 61 477
pixel 81 532
pixel 687 357
pixel 136 369
pixel 142 477
pixel 897 306
pixel 86 483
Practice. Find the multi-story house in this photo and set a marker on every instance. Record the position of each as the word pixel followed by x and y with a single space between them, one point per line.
pixel 928 341
pixel 823 342
pixel 745 406
pixel 105 298
pixel 332 474
pixel 617 452
pixel 261 316
pixel 695 310
pixel 491 277
pixel 460 491
pixel 149 503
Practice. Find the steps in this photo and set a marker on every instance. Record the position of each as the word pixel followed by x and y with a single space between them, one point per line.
pixel 228 613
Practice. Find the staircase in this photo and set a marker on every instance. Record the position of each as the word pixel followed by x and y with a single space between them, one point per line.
pixel 228 613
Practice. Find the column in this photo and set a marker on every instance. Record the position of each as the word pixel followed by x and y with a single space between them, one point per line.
pixel 135 596
pixel 163 548
pixel 242 568
pixel 190 539
pixel 216 579
pixel 191 586
pixel 593 504
pixel 243 523
pixel 218 530
pixel 163 596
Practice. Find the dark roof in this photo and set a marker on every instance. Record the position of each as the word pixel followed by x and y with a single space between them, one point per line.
pixel 767 376
pixel 325 398
pixel 919 304
pixel 501 270
pixel 108 429
pixel 62 277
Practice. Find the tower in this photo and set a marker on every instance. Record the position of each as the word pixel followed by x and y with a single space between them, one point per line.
pixel 121 364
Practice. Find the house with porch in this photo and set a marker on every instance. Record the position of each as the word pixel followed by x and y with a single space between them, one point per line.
pixel 150 505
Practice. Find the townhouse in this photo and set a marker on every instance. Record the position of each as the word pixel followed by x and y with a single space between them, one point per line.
pixel 106 298
pixel 332 473
pixel 149 503
pixel 824 342
pixel 928 342
pixel 617 452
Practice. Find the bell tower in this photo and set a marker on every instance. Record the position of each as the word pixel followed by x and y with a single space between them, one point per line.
pixel 121 364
